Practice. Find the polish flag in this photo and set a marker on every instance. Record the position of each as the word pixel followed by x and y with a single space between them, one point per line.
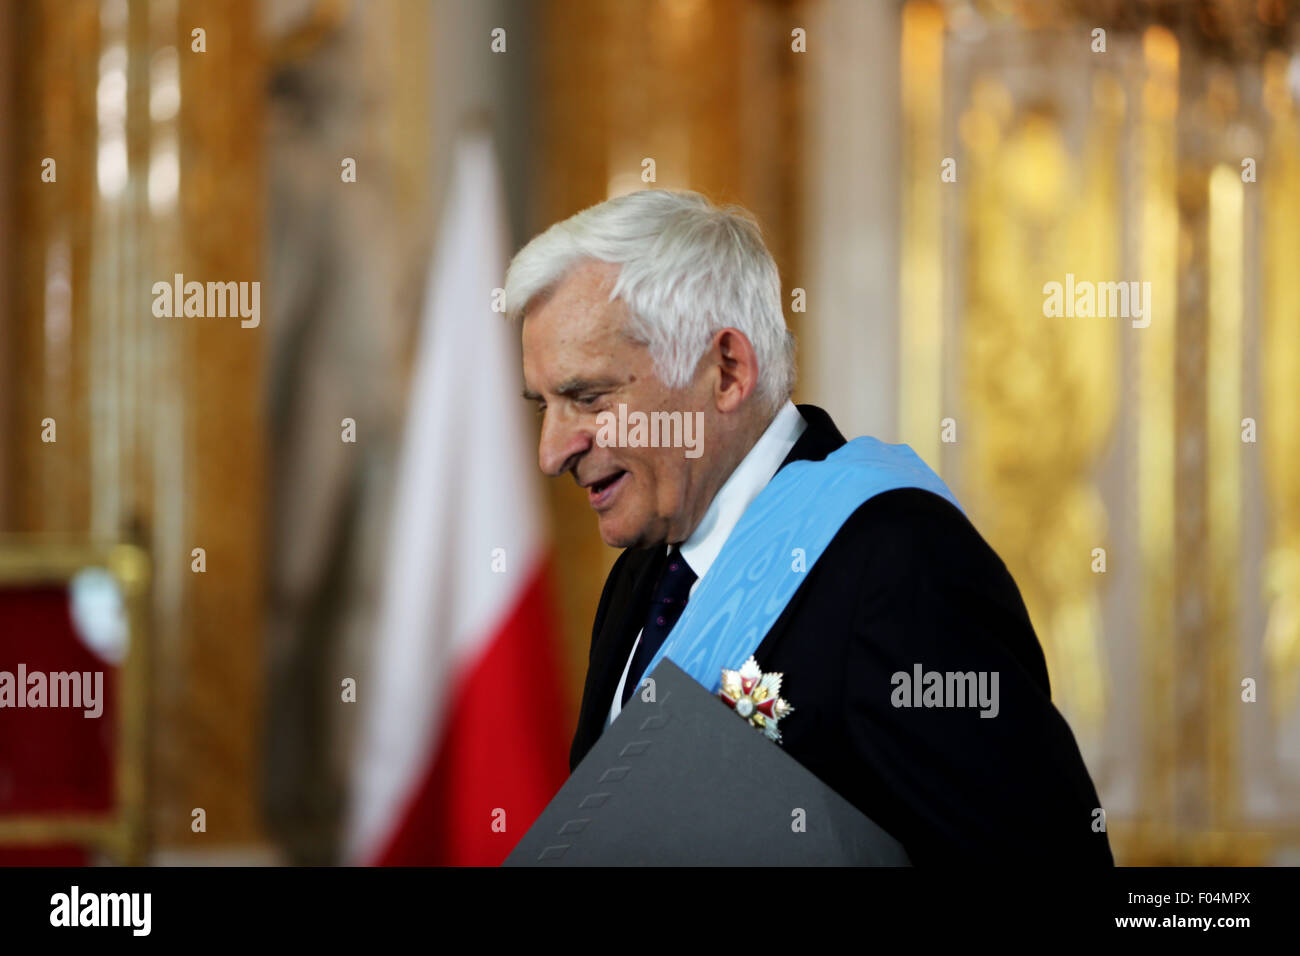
pixel 463 734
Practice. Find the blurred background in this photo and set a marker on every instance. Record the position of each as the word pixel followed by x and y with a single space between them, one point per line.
pixel 182 501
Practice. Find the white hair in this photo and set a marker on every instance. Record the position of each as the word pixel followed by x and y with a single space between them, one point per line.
pixel 688 269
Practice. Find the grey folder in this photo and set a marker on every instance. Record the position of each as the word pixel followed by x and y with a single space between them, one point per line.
pixel 686 781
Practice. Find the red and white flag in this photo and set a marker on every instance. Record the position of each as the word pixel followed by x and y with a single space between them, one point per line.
pixel 463 736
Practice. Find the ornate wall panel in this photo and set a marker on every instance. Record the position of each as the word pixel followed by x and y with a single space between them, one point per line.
pixel 158 157
pixel 1161 443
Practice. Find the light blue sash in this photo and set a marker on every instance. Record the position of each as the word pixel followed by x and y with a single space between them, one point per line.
pixel 760 567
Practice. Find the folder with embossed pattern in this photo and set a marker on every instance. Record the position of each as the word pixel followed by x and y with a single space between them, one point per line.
pixel 683 780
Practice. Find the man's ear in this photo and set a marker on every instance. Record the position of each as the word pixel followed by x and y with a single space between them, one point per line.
pixel 737 366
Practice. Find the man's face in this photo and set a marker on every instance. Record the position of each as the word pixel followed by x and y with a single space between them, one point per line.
pixel 578 362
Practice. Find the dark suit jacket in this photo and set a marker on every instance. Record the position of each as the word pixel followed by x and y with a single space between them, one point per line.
pixel 907 580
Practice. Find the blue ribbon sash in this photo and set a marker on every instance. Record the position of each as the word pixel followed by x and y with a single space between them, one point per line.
pixel 760 566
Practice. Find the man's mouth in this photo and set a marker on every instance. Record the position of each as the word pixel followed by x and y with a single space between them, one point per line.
pixel 601 493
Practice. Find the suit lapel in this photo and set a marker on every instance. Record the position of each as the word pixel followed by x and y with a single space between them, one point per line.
pixel 613 644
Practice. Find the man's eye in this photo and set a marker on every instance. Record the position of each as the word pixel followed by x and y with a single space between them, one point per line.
pixel 541 409
pixel 586 401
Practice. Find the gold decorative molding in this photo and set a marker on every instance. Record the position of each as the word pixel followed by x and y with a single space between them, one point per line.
pixel 159 429
pixel 921 394
pixel 1134 174
pixel 1280 425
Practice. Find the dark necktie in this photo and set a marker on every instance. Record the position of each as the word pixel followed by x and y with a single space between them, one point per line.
pixel 666 607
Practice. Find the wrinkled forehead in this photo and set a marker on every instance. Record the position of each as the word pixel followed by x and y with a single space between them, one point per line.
pixel 587 283
pixel 577 312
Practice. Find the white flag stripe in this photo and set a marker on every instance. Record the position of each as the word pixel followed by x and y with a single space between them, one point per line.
pixel 465 486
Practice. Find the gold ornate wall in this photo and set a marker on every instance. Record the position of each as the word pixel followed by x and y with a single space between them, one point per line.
pixel 1136 473
pixel 159 439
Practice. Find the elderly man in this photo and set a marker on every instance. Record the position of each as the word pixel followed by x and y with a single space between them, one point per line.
pixel 913 683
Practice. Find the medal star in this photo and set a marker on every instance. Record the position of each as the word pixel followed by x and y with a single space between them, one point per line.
pixel 756 697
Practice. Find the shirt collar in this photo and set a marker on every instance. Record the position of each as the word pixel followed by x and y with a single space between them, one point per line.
pixel 755 470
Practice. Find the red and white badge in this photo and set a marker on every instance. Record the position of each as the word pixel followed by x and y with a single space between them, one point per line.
pixel 756 697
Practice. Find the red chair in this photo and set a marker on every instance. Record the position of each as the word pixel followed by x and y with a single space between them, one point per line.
pixel 72 758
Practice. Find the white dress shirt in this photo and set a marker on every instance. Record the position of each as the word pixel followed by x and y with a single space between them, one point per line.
pixel 704 545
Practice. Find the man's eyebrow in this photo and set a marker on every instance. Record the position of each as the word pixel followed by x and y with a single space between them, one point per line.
pixel 573 386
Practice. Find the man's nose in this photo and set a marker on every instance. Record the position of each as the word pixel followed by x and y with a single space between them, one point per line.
pixel 562 439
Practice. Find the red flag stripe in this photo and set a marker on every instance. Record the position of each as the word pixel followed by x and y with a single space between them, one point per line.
pixel 503 752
